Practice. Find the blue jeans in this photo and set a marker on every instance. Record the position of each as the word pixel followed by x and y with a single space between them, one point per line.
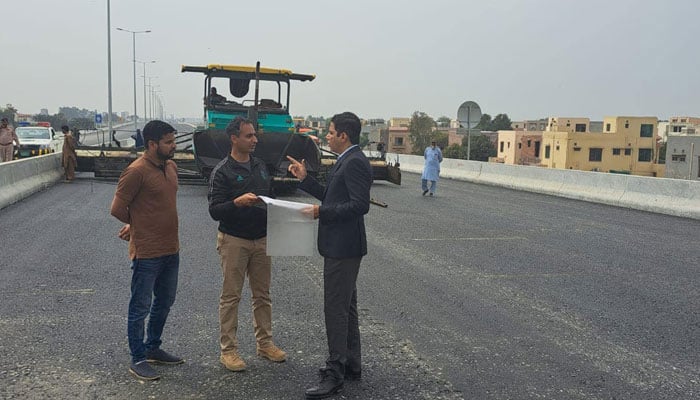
pixel 424 185
pixel 153 288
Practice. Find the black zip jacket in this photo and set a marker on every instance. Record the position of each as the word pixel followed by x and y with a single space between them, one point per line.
pixel 228 180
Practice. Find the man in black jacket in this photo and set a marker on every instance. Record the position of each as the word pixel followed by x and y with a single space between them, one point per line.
pixel 342 242
pixel 234 186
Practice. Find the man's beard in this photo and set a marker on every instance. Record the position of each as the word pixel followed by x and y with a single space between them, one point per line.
pixel 164 157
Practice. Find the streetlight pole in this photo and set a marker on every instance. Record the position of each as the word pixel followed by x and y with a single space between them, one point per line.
pixel 153 99
pixel 150 97
pixel 109 73
pixel 133 36
pixel 145 114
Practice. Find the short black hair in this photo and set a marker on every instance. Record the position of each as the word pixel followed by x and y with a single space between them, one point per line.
pixel 65 128
pixel 234 127
pixel 350 124
pixel 155 130
pixel 4 119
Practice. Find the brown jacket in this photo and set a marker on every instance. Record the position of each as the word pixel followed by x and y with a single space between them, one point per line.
pixel 69 156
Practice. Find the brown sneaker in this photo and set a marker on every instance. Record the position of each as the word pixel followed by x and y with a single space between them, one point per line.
pixel 232 361
pixel 272 353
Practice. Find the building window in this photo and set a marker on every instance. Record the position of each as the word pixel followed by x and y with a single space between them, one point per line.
pixel 683 120
pixel 678 157
pixel 557 148
pixel 547 149
pixel 580 128
pixel 529 142
pixel 647 130
pixel 644 155
pixel 502 146
pixel 577 149
pixel 616 152
pixel 537 148
pixel 676 129
pixel 607 127
pixel 628 152
pixel 398 141
pixel 509 145
pixel 520 145
pixel 595 154
pixel 627 124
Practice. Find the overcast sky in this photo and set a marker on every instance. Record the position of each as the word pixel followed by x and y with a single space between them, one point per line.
pixel 527 58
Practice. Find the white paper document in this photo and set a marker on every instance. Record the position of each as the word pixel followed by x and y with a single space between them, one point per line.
pixel 290 232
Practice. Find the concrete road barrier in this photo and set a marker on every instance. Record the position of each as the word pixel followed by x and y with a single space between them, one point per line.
pixel 22 178
pixel 660 195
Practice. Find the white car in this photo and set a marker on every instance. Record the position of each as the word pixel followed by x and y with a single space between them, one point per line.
pixel 38 140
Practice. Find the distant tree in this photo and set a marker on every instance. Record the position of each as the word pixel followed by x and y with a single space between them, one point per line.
pixel 501 122
pixel 481 148
pixel 82 123
pixel 8 112
pixel 56 120
pixel 364 139
pixel 443 122
pixel 455 151
pixel 484 123
pixel 441 139
pixel 420 131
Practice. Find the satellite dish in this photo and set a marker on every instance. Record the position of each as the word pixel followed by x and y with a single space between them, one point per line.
pixel 469 114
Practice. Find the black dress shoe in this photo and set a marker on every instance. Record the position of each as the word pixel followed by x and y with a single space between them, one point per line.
pixel 349 375
pixel 328 387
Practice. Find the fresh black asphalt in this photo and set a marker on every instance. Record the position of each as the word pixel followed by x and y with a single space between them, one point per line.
pixel 477 293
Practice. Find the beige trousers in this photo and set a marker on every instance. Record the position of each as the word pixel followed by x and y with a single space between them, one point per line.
pixel 6 152
pixel 241 257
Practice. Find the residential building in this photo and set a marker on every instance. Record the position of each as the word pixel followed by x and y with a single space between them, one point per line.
pixel 519 147
pixel 677 125
pixel 398 122
pixel 568 124
pixel 683 154
pixel 626 145
pixel 399 140
pixel 373 129
pixel 529 125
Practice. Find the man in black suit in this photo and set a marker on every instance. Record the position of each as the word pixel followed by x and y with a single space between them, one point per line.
pixel 342 242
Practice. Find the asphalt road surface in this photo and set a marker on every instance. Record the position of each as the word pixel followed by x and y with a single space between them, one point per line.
pixel 477 293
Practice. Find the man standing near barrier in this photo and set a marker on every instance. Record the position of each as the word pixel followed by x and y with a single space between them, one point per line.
pixel 342 242
pixel 145 201
pixel 68 157
pixel 234 187
pixel 431 170
pixel 8 138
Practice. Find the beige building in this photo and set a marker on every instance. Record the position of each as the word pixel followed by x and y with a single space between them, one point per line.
pixel 626 145
pixel 399 122
pixel 529 125
pixel 519 147
pixel 399 141
pixel 568 124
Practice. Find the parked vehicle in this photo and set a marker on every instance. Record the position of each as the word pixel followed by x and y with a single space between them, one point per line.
pixel 38 139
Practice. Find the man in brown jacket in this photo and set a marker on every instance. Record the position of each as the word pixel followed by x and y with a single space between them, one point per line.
pixel 145 201
pixel 69 158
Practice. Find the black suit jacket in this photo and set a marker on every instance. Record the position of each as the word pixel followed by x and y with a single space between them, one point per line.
pixel 344 202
